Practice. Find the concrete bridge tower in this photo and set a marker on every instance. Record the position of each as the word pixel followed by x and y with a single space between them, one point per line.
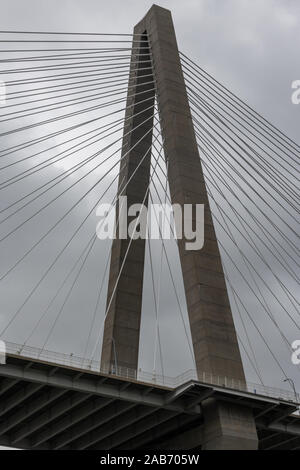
pixel 216 350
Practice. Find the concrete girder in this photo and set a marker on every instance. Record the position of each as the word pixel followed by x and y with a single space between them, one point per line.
pixel 279 444
pixel 117 425
pixel 95 436
pixel 6 385
pixel 18 397
pixel 71 419
pixel 281 414
pixel 281 427
pixel 49 415
pixel 80 418
pixel 92 386
pixel 29 409
pixel 163 425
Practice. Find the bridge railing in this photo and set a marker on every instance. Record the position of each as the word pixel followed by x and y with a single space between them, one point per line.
pixel 72 360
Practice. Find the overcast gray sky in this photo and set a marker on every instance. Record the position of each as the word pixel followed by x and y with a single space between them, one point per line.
pixel 252 47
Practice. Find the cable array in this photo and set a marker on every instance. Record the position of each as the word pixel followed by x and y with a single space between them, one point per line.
pixel 251 169
pixel 64 128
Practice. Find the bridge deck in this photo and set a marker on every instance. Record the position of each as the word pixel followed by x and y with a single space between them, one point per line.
pixel 48 406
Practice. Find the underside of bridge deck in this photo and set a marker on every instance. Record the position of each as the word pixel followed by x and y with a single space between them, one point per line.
pixel 45 406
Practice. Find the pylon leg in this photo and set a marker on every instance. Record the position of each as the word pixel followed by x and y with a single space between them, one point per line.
pixel 124 299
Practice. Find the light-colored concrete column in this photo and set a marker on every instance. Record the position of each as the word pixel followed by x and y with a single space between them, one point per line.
pixel 122 326
pixel 228 426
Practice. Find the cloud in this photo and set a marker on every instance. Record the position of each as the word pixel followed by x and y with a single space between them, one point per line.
pixel 251 47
